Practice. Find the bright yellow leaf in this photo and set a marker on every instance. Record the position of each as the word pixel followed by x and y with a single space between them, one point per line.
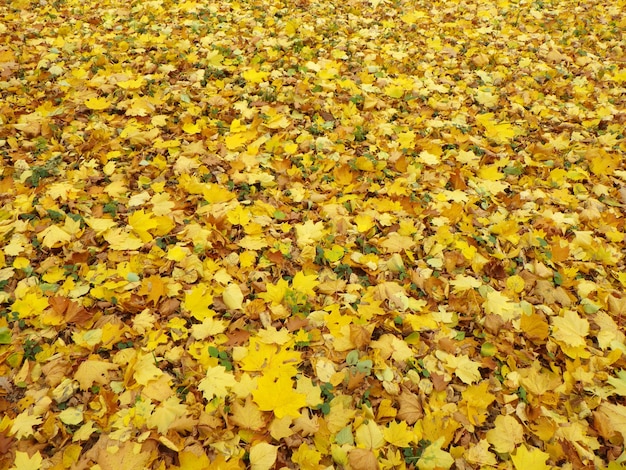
pixel 525 459
pixel 141 223
pixel 25 462
pixel 97 104
pixel 31 304
pixel 278 396
pixel 399 434
pixel 307 457
pixel 191 128
pixel 198 302
pixel 254 76
pixel 305 283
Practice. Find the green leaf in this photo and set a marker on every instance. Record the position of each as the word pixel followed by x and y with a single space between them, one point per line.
pixel 345 436
pixel 488 350
pixel 352 358
pixel 365 366
pixel 5 335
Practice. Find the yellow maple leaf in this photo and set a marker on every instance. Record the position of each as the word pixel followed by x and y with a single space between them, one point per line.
pixel 335 253
pixel 248 415
pixel 499 132
pixel 87 339
pixel 100 225
pixel 127 454
pixel 214 193
pixel 499 304
pixel 271 335
pixel 515 283
pixel 177 253
pixel 399 434
pixel 603 163
pixel 391 346
pixel 307 457
pixel 97 104
pixel 121 240
pixel 476 401
pixel 491 173
pixel 462 283
pixel 217 382
pixel 464 368
pixel 72 416
pixel 198 302
pixel 538 381
pixel 309 233
pixel 275 293
pixel 141 223
pixel 311 392
pixel 140 106
pixel 135 84
pixel 396 243
pixel 570 328
pixel 31 304
pixel 279 121
pixel 208 327
pixel 191 128
pixel 278 395
pixel 25 462
pixel 406 139
pixel 166 413
pixel 194 459
pixel 239 216
pixel 364 222
pixel 305 283
pixel 54 237
pixel 614 417
pixel 273 362
pixel 394 91
pixel 145 369
pixel 619 383
pixel 428 158
pixel 84 432
pixel 535 459
pixel 506 434
pixel 23 424
pixel 116 188
pixel 485 97
pixel 255 76
pixel 412 16
pixel 162 205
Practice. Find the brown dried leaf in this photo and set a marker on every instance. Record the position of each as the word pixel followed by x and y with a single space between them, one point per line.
pixel 410 407
pixel 363 459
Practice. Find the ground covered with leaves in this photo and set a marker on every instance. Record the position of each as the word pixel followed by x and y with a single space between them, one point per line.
pixel 312 234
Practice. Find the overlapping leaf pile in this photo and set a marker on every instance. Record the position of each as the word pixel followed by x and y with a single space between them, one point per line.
pixel 312 234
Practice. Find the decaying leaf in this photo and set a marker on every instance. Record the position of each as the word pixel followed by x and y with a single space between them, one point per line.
pixel 312 234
